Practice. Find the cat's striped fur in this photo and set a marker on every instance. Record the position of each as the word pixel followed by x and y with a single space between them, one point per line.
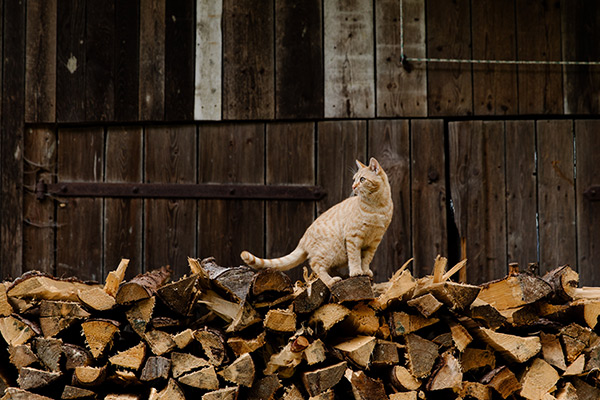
pixel 347 233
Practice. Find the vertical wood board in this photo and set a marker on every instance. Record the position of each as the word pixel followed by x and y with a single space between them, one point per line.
pixel 349 59
pixel 123 217
pixel 170 224
pixel 556 194
pixel 400 91
pixel 152 60
pixel 40 63
pixel 389 143
pixel 127 60
pixel 428 194
pixel 248 60
pixel 209 49
pixel 79 232
pixel 299 59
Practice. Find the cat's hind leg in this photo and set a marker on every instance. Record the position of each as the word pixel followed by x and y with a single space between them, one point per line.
pixel 322 272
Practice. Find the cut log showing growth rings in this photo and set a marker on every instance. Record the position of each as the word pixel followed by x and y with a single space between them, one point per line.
pixel 232 333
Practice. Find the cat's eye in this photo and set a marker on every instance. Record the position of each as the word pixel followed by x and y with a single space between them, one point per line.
pixel 362 178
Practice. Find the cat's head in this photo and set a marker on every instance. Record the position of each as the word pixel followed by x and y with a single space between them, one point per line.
pixel 369 178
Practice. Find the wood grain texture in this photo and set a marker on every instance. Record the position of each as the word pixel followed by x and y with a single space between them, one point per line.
pixel 428 193
pixel 290 159
pixel 521 192
pixel 231 153
pixel 493 30
pixel 123 217
pixel 38 218
pixel 11 139
pixel 248 60
pixel 349 59
pixel 389 143
pixel 449 86
pixel 580 32
pixel 209 48
pixel 538 38
pixel 298 36
pixel 127 60
pixel 180 39
pixel 477 177
pixel 556 194
pixel 339 145
pixel 152 60
pixel 40 61
pixel 170 224
pixel 400 91
pixel 99 60
pixel 70 67
pixel 588 212
pixel 79 231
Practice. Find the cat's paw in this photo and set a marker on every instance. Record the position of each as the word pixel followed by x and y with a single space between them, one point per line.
pixel 369 273
pixel 335 279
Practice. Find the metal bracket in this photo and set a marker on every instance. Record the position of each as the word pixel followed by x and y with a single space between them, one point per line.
pixel 592 193
pixel 179 191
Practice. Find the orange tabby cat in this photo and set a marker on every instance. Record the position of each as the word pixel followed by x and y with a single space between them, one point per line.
pixel 347 233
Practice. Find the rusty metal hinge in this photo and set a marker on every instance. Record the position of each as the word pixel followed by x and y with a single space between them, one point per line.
pixel 179 191
pixel 592 193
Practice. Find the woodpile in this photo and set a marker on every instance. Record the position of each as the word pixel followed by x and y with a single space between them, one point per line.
pixel 225 333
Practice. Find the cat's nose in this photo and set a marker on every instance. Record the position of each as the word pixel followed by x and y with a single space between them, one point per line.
pixel 354 186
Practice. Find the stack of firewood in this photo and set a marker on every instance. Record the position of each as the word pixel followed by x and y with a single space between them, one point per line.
pixel 237 333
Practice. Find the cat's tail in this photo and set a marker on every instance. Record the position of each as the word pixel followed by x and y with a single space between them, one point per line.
pixel 282 264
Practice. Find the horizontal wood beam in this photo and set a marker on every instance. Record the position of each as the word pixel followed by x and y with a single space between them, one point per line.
pixel 180 191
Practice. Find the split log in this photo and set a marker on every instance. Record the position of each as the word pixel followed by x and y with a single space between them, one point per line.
pixel 160 342
pixel 22 356
pixel 475 390
pixel 5 307
pixel 76 356
pixel 315 352
pixel 96 298
pixel 399 287
pixel 171 392
pixel 155 368
pixel 323 379
pixel 460 336
pixel 270 283
pixel 58 315
pixel 328 395
pixel 538 379
pixel 88 376
pixel 577 367
pixel 131 358
pixel 402 379
pixel 473 359
pixel 142 286
pixel 114 278
pixel 280 320
pixel 240 372
pixel 34 285
pixel 362 320
pixel 229 393
pixel 421 354
pixel 364 387
pixel 385 353
pixel 356 288
pixel 567 392
pixel 232 282
pixel 182 363
pixel 241 345
pixel 213 344
pixel 49 352
pixel 515 348
pixel 13 393
pixel 99 334
pixel 74 392
pixel 503 381
pixel 180 296
pixel 426 304
pixel 552 351
pixel 575 338
pixel 139 315
pixel 31 378
pixel 514 291
pixel 205 379
pixel 16 330
pixel 447 375
pixel 310 297
pixel 326 316
pixel 412 395
pixel 239 315
pixel 264 389
pixel 292 393
pixel 456 296
pixel 402 323
pixel 183 338
pixel 285 361
pixel 486 315
pixel 563 281
pixel 358 349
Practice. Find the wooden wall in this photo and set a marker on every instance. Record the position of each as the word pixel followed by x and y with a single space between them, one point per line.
pixel 276 92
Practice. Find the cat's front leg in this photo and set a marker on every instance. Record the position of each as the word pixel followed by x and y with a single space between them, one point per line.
pixel 367 257
pixel 354 257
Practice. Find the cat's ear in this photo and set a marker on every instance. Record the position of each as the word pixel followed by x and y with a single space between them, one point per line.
pixel 360 165
pixel 374 165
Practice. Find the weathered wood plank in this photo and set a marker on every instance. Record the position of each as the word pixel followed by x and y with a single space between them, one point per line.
pixel 521 192
pixel 588 212
pixel 298 36
pixel 99 60
pixel 127 60
pixel 493 30
pixel 123 217
pixel 340 144
pixel 79 231
pixel 39 222
pixel 40 63
pixel 538 38
pixel 349 59
pixel 231 153
pixel 248 60
pixel 209 47
pixel 389 144
pixel 170 225
pixel 400 91
pixel 152 60
pixel 556 194
pixel 449 86
pixel 70 61
pixel 290 159
pixel 580 32
pixel 428 191
pixel 477 170
pixel 180 39
pixel 11 139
